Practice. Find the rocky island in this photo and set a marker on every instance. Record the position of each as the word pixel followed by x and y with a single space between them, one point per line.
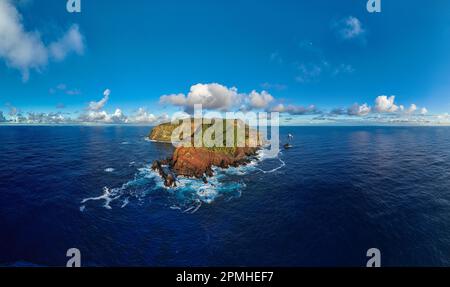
pixel 197 162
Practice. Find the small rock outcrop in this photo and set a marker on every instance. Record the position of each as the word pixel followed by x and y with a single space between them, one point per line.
pixel 168 177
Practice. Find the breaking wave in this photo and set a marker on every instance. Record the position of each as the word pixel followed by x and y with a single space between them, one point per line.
pixel 189 194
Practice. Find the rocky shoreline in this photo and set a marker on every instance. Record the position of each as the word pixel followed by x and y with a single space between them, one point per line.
pixel 196 162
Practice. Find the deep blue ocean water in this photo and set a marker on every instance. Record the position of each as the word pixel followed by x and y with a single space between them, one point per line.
pixel 337 193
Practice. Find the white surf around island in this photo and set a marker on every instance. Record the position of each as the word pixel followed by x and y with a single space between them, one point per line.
pixel 190 193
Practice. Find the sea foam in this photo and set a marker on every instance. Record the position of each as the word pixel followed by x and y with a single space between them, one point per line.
pixel 190 193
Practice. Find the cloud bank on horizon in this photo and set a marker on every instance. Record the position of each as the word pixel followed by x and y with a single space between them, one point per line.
pixel 217 97
pixel 299 92
pixel 94 113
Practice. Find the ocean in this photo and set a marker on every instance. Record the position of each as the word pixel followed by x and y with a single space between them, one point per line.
pixel 337 193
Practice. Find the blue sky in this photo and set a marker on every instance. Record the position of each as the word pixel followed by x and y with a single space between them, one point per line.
pixel 313 59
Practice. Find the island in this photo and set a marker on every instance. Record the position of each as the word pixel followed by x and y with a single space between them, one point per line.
pixel 198 162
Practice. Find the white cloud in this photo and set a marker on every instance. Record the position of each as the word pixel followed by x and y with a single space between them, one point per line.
pixel 349 28
pixel 211 96
pixel 412 109
pixel 384 104
pixel 173 99
pixel 20 49
pixel 423 111
pixel 359 110
pixel 218 97
pixel 44 118
pixel 278 108
pixel 96 114
pixel 24 50
pixel 385 110
pixel 118 117
pixel 260 100
pixel 142 117
pixel 96 106
pixel 72 41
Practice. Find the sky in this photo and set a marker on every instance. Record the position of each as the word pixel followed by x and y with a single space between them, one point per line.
pixel 314 62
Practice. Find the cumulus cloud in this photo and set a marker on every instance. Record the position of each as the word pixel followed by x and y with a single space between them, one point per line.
pixel 359 110
pixel 221 98
pixel 24 50
pixel 173 99
pixel 44 118
pixel 278 108
pixel 349 28
pixel 142 116
pixel 72 41
pixel 218 97
pixel 384 104
pixel 385 107
pixel 95 113
pixel 211 96
pixel 16 117
pixel 260 100
pixel 96 106
pixel 118 117
pixel 412 109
